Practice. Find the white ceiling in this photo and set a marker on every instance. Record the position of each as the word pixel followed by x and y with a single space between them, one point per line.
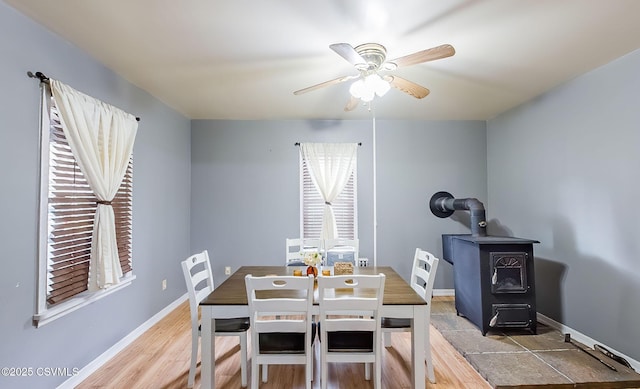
pixel 242 59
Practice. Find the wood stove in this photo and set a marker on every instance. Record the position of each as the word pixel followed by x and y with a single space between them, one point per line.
pixel 493 280
pixel 493 275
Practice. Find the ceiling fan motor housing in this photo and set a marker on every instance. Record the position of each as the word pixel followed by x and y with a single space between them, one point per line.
pixel 373 53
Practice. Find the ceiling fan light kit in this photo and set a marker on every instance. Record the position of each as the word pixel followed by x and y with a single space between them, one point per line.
pixel 369 87
pixel 370 58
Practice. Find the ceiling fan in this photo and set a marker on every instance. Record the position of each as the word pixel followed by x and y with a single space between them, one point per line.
pixel 371 58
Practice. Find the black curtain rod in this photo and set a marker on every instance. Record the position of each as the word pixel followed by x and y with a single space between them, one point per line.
pixel 298 144
pixel 45 79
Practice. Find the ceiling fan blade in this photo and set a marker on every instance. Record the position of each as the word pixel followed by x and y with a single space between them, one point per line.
pixel 427 55
pixel 352 104
pixel 347 52
pixel 326 83
pixel 407 86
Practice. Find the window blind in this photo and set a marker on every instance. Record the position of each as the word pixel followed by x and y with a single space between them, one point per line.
pixel 71 212
pixel 344 207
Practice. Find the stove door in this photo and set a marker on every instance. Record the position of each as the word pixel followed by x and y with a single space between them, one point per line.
pixel 508 272
pixel 510 315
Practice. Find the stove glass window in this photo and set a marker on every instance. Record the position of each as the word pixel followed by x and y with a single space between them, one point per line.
pixel 508 272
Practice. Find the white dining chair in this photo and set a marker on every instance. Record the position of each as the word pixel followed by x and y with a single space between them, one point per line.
pixel 349 328
pixel 282 330
pixel 199 280
pixel 295 247
pixel 423 274
pixel 342 250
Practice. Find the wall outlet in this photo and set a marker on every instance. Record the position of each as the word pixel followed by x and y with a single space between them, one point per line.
pixel 227 270
pixel 164 284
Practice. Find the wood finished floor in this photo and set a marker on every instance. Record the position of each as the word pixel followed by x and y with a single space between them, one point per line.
pixel 159 359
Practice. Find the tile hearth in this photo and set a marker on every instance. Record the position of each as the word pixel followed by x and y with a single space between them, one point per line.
pixel 518 359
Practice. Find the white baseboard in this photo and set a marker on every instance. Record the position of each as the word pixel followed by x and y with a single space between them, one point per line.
pixel 116 348
pixel 584 339
pixel 444 292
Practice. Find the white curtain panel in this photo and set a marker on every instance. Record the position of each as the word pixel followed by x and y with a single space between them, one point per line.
pixel 101 139
pixel 330 166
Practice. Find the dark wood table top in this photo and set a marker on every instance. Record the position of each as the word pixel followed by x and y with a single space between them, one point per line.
pixel 233 292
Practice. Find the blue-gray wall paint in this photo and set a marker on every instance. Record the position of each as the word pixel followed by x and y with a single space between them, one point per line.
pixel 245 185
pixel 563 169
pixel 161 199
pixel 560 169
pixel 246 188
pixel 415 160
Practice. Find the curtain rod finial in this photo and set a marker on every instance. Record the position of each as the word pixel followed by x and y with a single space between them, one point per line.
pixel 38 75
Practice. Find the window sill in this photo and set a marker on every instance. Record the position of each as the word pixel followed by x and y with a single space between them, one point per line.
pixel 77 302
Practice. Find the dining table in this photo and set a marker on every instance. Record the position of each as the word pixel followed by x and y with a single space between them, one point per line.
pixel 229 300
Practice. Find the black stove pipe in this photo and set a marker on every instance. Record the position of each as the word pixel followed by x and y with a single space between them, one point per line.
pixel 442 204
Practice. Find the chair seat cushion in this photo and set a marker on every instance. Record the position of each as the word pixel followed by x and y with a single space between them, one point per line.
pixel 284 342
pixel 392 322
pixel 239 324
pixel 354 341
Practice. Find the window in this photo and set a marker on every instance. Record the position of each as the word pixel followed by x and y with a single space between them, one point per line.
pixel 312 204
pixel 67 210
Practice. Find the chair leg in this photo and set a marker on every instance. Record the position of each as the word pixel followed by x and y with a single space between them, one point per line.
pixel 313 352
pixel 386 338
pixel 367 371
pixel 377 365
pixel 308 375
pixel 195 337
pixel 427 356
pixel 265 373
pixel 310 368
pixel 255 373
pixel 243 359
pixel 324 374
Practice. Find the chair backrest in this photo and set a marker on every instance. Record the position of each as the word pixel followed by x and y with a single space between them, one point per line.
pixel 280 304
pixel 199 280
pixel 423 273
pixel 350 303
pixel 294 247
pixel 341 250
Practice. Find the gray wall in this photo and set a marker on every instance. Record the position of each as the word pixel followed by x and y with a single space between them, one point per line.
pixel 161 198
pixel 415 160
pixel 245 186
pixel 563 169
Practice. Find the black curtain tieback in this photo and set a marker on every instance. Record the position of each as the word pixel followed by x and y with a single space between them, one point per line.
pixel 103 202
